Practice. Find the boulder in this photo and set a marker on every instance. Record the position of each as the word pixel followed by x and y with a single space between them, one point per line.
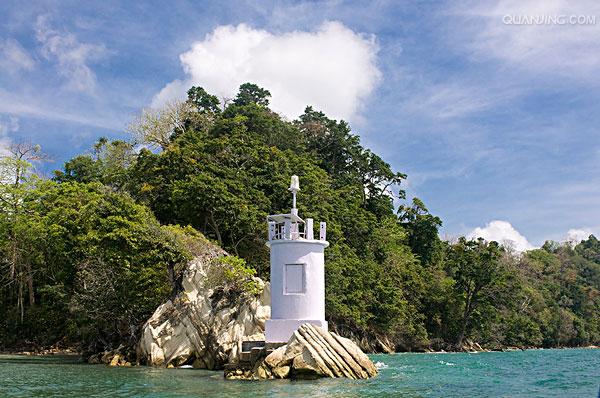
pixel 312 352
pixel 205 324
pixel 281 372
pixel 117 357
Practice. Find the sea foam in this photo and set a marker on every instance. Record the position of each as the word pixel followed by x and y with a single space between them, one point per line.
pixel 380 365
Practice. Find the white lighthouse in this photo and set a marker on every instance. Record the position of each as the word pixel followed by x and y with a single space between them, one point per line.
pixel 297 273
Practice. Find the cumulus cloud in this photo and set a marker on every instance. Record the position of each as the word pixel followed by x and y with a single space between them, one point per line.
pixel 504 233
pixel 71 55
pixel 577 235
pixel 332 68
pixel 13 57
pixel 565 48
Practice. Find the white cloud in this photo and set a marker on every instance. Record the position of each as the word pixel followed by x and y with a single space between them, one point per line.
pixel 448 101
pixel 577 235
pixel 71 55
pixel 333 68
pixel 8 124
pixel 457 99
pixel 504 233
pixel 51 109
pixel 13 57
pixel 566 49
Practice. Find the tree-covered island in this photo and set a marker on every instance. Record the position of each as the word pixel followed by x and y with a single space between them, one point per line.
pixel 87 255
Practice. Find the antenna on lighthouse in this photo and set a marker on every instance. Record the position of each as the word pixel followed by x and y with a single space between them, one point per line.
pixel 294 188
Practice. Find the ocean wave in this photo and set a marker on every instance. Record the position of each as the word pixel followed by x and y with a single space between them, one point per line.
pixel 447 363
pixel 381 365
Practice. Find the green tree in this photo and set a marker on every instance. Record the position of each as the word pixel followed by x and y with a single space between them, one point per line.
pixel 82 168
pixel 475 267
pixel 109 165
pixel 18 226
pixel 589 249
pixel 90 267
pixel 202 101
pixel 391 281
pixel 250 93
pixel 422 229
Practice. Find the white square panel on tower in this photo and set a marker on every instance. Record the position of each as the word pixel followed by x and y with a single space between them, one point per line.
pixel 295 279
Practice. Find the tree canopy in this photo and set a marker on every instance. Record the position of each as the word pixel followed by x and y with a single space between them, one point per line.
pixel 98 243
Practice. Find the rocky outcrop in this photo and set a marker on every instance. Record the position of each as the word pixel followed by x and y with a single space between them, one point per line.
pixel 311 352
pixel 116 357
pixel 207 322
pixel 369 340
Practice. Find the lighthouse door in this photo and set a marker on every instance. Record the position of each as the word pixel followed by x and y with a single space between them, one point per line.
pixel 294 279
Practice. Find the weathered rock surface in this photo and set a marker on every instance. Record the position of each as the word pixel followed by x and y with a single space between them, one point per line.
pixel 311 352
pixel 207 322
pixel 116 357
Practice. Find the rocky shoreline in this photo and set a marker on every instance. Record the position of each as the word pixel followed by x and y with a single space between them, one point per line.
pixel 311 352
pixel 72 351
pixel 206 324
pixel 109 355
pixel 509 349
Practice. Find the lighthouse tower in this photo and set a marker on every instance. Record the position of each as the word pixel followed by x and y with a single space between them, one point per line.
pixel 297 273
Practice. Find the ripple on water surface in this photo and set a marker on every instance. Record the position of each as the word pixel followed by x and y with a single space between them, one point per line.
pixel 534 373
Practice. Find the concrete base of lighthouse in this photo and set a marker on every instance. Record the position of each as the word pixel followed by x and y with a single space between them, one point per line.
pixel 280 330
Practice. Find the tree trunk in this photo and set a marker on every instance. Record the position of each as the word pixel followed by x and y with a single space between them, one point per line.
pixel 30 287
pixel 216 229
pixel 20 304
pixel 13 257
pixel 465 322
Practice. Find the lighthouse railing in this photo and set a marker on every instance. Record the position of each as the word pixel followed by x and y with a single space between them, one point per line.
pixel 289 229
pixel 286 231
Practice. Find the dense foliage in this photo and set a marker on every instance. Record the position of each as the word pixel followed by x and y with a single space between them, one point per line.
pixel 81 264
pixel 85 258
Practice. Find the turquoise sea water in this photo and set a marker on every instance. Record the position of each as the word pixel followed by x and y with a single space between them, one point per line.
pixel 535 373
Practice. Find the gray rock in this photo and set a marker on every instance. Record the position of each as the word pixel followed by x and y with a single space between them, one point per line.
pixel 206 323
pixel 314 352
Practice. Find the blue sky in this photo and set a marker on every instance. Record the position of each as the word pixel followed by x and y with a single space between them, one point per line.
pixel 493 122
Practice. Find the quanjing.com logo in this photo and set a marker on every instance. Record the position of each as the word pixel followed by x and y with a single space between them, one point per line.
pixel 573 19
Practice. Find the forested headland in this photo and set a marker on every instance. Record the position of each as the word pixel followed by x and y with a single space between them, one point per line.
pixel 87 255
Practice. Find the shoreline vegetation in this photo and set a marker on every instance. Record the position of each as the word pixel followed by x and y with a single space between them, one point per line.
pixel 88 255
pixel 75 352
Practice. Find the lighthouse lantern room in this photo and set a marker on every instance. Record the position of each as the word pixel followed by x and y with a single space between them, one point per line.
pixel 297 272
